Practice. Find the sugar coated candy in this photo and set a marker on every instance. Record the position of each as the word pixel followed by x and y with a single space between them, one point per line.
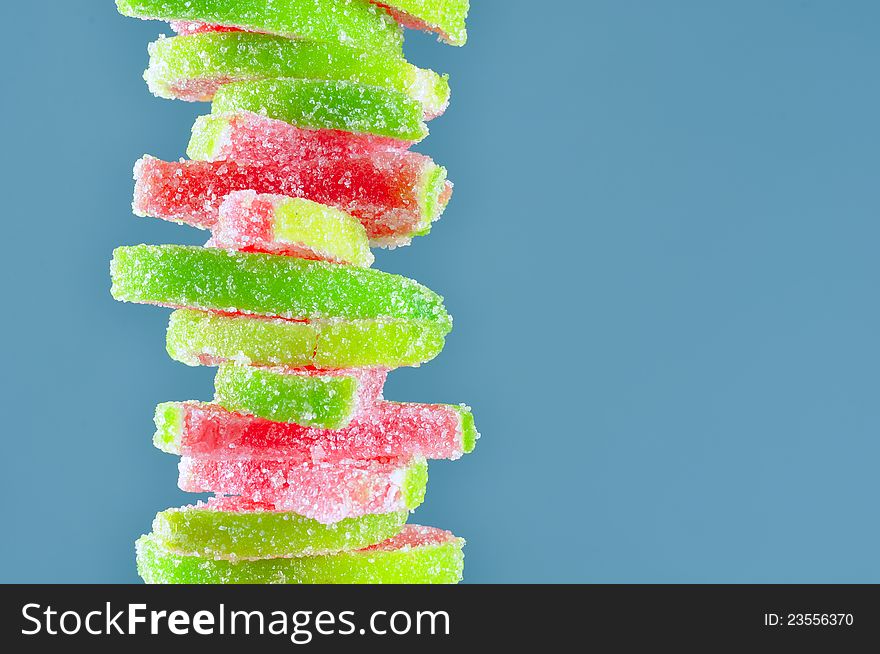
pixel 417 555
pixel 238 528
pixel 208 338
pixel 303 164
pixel 187 27
pixel 326 492
pixel 328 399
pixel 353 22
pixel 385 430
pixel 265 284
pixel 193 67
pixel 323 104
pixel 325 399
pixel 252 222
pixel 396 197
pixel 250 138
pixel 446 18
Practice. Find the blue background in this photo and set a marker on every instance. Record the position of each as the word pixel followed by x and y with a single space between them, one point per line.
pixel 661 257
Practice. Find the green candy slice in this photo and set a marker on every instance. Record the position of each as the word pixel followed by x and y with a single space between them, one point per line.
pixel 266 284
pixel 317 400
pixel 387 343
pixel 445 17
pixel 435 558
pixel 352 22
pixel 317 104
pixel 193 67
pixel 200 338
pixel 208 531
pixel 325 229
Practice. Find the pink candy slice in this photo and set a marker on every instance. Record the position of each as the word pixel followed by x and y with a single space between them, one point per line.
pixel 251 138
pixel 324 492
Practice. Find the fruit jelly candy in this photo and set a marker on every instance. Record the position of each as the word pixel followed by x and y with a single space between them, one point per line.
pixel 446 18
pixel 326 399
pixel 387 430
pixel 235 528
pixel 207 338
pixel 326 492
pixel 266 284
pixel 394 197
pixel 254 222
pixel 417 555
pixel 247 137
pixel 194 67
pixel 351 22
pixel 187 27
pixel 324 104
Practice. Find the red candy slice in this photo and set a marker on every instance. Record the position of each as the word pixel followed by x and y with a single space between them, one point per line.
pixel 387 429
pixel 393 199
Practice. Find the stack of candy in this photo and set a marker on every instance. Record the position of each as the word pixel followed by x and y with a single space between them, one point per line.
pixel 302 165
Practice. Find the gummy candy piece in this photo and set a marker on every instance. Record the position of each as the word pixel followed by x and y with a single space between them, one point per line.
pixel 394 197
pixel 250 138
pixel 326 492
pixel 444 17
pixel 417 555
pixel 352 22
pixel 321 104
pixel 236 528
pixel 277 224
pixel 188 27
pixel 265 284
pixel 194 67
pixel 199 338
pixel 386 430
pixel 316 398
pixel 388 343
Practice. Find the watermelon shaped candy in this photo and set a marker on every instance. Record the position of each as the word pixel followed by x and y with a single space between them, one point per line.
pixel 394 197
pixel 250 138
pixel 386 430
pixel 350 22
pixel 328 399
pixel 324 492
pixel 236 528
pixel 417 555
pixel 206 338
pixel 267 285
pixel 277 224
pixel 194 67
pixel 446 18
